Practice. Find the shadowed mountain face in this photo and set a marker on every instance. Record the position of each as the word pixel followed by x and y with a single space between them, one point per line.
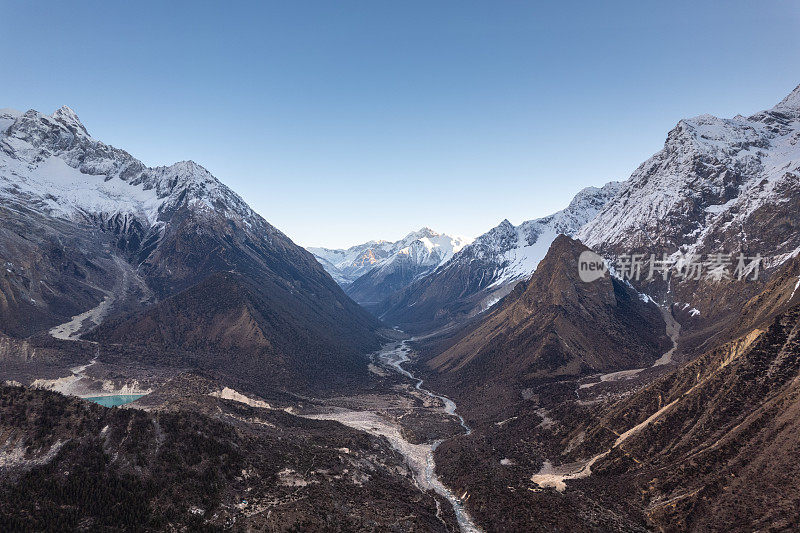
pixel 483 272
pixel 169 255
pixel 260 333
pixel 553 326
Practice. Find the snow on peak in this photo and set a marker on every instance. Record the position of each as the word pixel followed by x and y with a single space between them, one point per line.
pixel 515 251
pixel 710 177
pixel 51 161
pixel 425 248
pixel 69 118
pixel 791 101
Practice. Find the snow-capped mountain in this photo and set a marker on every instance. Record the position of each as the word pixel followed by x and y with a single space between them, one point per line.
pixel 718 186
pixel 717 182
pixel 425 248
pixel 165 257
pixel 58 168
pixel 486 270
pixel 517 250
pixel 346 265
pixel 371 271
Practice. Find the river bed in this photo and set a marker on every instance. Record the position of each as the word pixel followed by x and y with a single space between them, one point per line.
pixel 419 457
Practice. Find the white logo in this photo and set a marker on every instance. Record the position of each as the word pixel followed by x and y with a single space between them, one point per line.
pixel 591 266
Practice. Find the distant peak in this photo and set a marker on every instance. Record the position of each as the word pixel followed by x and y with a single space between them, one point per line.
pixel 505 224
pixel 7 111
pixel 792 101
pixel 423 232
pixel 504 228
pixel 66 116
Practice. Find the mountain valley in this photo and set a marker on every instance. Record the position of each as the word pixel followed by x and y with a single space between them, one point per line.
pixel 429 384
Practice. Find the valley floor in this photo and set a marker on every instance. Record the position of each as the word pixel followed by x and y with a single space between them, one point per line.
pixel 420 457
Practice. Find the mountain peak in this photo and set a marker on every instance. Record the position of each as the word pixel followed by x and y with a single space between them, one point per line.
pixel 189 166
pixel 66 116
pixel 424 231
pixel 791 101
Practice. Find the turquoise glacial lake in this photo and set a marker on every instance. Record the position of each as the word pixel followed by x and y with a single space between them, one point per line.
pixel 113 401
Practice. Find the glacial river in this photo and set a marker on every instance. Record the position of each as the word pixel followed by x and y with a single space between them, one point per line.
pixel 394 357
pixel 419 457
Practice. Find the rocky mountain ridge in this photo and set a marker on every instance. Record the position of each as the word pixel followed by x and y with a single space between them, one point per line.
pixel 372 271
pixel 717 185
pixel 487 269
pixel 90 234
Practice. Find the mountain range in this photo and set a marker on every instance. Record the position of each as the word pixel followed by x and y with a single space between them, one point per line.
pixel 530 398
pixel 372 271
pixel 692 435
pixel 486 270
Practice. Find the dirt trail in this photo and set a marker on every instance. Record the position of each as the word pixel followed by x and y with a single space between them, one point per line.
pixel 556 477
pixel 550 476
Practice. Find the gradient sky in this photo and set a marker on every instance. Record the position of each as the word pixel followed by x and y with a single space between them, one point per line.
pixel 342 122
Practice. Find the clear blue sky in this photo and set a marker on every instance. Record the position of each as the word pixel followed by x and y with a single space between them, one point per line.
pixel 342 121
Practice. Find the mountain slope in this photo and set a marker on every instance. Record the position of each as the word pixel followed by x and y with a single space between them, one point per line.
pixel 256 331
pixel 718 186
pixel 486 270
pixel 553 326
pixel 91 229
pixel 196 462
pixel 707 445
